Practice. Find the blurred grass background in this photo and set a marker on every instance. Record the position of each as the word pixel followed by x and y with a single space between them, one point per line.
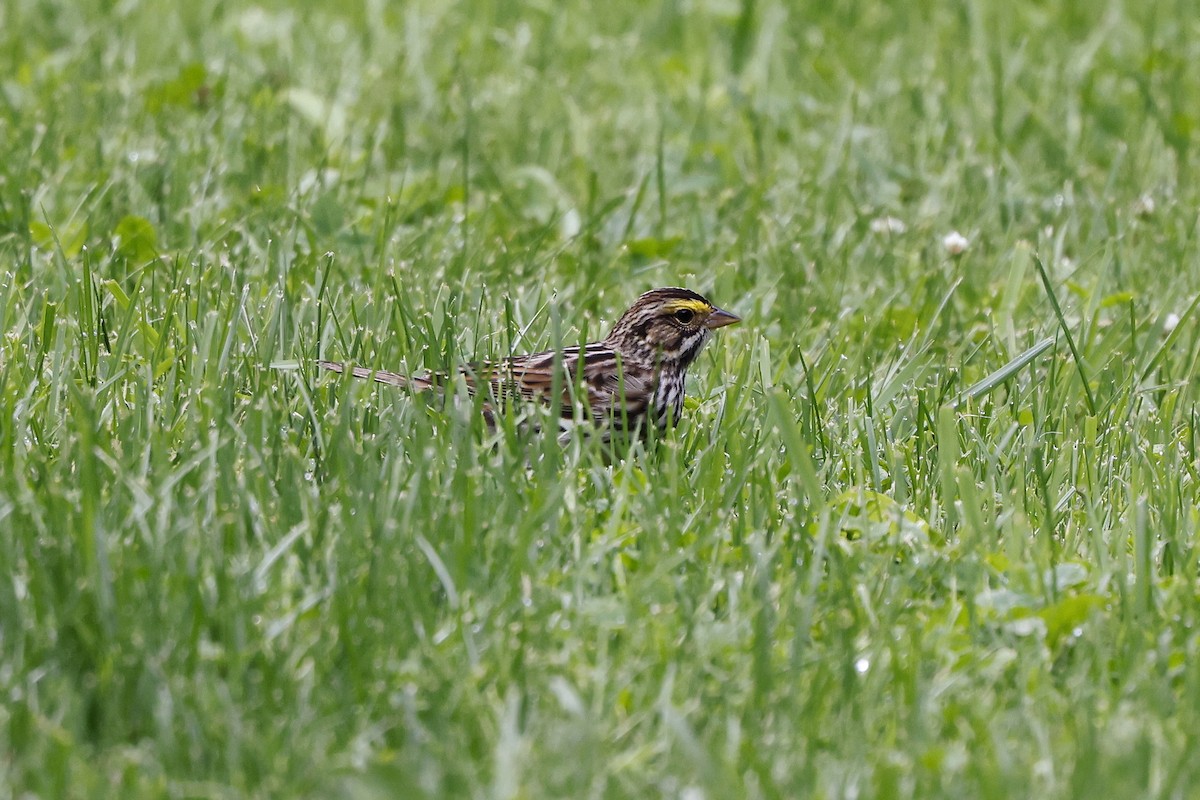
pixel 927 530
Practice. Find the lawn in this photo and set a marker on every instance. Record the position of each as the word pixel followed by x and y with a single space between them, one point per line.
pixel 927 529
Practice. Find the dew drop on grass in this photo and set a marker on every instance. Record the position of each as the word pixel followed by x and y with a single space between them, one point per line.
pixel 861 666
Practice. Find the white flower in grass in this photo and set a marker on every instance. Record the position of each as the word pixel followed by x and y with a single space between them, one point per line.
pixel 883 225
pixel 955 243
pixel 1171 322
pixel 1144 206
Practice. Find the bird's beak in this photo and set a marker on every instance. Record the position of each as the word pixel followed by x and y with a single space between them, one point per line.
pixel 719 319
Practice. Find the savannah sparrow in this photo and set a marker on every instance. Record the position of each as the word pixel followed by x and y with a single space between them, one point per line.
pixel 635 374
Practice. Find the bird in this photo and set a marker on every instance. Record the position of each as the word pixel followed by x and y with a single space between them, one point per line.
pixel 630 382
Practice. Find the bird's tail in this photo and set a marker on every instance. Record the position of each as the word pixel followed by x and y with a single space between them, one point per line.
pixel 380 376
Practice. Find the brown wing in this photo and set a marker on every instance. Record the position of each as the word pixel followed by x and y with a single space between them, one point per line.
pixel 600 382
pixel 530 378
pixel 607 380
pixel 619 389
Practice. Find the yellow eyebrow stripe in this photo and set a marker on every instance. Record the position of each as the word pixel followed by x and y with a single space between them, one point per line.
pixel 698 306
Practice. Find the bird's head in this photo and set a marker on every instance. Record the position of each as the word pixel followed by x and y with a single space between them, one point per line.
pixel 668 325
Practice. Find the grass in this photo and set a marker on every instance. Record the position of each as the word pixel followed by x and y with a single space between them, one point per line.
pixel 928 528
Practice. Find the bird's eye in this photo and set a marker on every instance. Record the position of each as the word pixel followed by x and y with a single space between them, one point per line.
pixel 685 315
